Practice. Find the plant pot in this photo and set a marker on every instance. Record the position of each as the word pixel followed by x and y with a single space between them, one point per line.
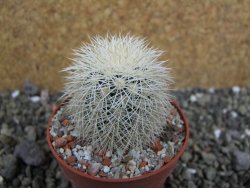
pixel 154 179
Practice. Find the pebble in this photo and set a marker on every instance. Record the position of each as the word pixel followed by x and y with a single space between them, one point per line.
pixel 29 88
pixel 106 169
pixel 8 166
pixel 241 160
pixel 79 165
pixel 106 161
pixel 217 133
pixel 15 94
pixel 160 164
pixel 135 154
pixel 60 142
pixel 234 114
pixel 208 158
pixel 7 129
pixel 193 98
pixel 167 159
pixel 127 158
pixel 186 156
pixel 37 182
pixel 44 96
pixel 54 129
pixel 94 168
pixel 83 162
pixel 243 110
pixel 78 147
pixel 102 174
pixel 143 164
pixel 131 165
pixel 163 155
pixel 87 157
pixel 247 132
pixel 68 152
pixel 61 150
pixel 70 128
pixel 157 146
pixel 131 168
pixel 191 184
pixel 65 122
pixel 30 133
pixel 116 172
pixel 89 149
pixel 224 110
pixel 146 168
pixel 161 152
pixel 74 133
pixel 210 173
pixel 171 148
pixel 125 176
pixel 35 99
pixel 30 153
pixel 137 172
pixel 71 160
pixel 236 89
pixel 97 158
pixel 108 154
pixel 186 175
pixel 192 170
pixel 72 144
pixel 211 90
pixel 1 180
pixel 81 153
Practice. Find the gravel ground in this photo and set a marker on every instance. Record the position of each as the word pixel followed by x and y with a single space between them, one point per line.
pixel 218 154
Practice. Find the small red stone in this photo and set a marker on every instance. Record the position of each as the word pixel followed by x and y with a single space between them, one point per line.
pixel 143 164
pixel 106 161
pixel 167 159
pixel 82 169
pixel 126 152
pixel 60 142
pixel 181 129
pixel 103 174
pixel 72 144
pixel 157 145
pixel 65 122
pixel 146 172
pixel 71 160
pixel 93 169
pixel 61 156
pixel 70 138
pixel 51 137
pixel 102 153
pixel 66 147
pixel 83 162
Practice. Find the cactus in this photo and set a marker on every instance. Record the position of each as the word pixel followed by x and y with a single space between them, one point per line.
pixel 118 93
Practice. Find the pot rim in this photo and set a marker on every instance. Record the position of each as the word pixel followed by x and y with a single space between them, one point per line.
pixel 84 175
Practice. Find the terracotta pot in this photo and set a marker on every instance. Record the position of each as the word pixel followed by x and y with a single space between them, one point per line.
pixel 154 179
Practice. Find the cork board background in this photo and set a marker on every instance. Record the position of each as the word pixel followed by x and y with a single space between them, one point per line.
pixel 207 42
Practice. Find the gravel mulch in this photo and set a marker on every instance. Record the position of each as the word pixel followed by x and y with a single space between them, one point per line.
pixel 218 154
pixel 115 164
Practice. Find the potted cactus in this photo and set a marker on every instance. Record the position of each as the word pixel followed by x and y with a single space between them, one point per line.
pixel 117 124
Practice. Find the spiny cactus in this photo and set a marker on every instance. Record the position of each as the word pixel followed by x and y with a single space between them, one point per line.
pixel 118 93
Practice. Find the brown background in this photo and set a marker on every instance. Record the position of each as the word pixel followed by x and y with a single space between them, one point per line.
pixel 207 42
